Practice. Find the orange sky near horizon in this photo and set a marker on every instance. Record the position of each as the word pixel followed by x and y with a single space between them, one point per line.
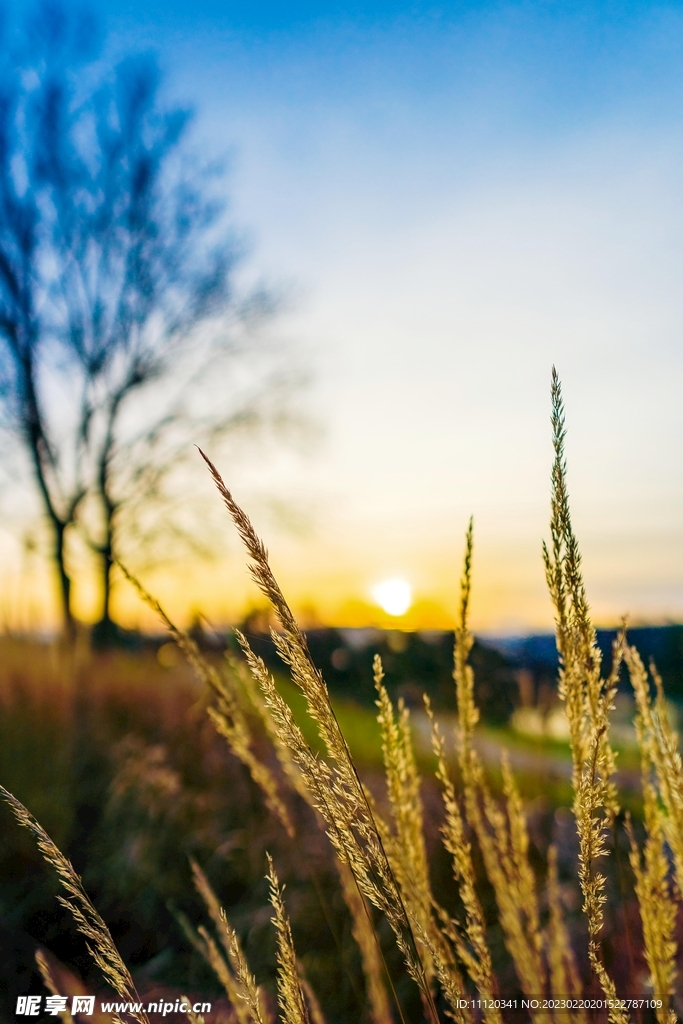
pixel 330 582
pixel 450 205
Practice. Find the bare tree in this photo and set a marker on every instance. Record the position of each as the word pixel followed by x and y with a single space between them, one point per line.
pixel 117 293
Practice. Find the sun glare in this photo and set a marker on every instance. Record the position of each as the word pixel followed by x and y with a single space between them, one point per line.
pixel 393 596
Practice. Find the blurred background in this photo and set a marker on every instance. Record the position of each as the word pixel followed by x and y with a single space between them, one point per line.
pixel 419 210
pixel 339 247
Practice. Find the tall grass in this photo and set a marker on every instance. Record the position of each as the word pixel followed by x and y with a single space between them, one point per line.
pixel 448 949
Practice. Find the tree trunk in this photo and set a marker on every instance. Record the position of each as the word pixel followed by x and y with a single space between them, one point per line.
pixel 68 620
pixel 106 633
pixel 38 446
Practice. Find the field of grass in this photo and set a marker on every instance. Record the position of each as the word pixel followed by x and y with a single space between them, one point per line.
pixel 114 754
pixel 116 757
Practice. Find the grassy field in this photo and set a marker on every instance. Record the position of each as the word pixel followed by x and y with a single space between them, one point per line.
pixel 116 757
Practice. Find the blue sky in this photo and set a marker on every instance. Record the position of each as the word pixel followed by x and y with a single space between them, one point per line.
pixel 457 197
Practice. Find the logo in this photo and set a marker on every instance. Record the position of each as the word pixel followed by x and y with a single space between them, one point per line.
pixel 28 1006
pixel 55 1004
pixel 83 1004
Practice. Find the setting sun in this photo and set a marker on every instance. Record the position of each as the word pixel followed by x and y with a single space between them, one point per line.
pixel 393 596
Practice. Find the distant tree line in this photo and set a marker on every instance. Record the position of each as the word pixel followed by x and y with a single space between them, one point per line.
pixel 414 663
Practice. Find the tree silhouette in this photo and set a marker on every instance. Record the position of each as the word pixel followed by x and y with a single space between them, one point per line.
pixel 116 291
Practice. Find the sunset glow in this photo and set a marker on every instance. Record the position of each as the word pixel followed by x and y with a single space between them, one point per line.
pixel 394 596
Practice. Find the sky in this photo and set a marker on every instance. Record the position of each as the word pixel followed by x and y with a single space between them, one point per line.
pixel 454 198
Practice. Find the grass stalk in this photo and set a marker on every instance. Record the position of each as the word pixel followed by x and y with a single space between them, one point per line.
pixel 100 944
pixel 338 791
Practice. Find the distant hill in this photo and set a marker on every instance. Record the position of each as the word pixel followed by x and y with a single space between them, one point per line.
pixel 662 644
